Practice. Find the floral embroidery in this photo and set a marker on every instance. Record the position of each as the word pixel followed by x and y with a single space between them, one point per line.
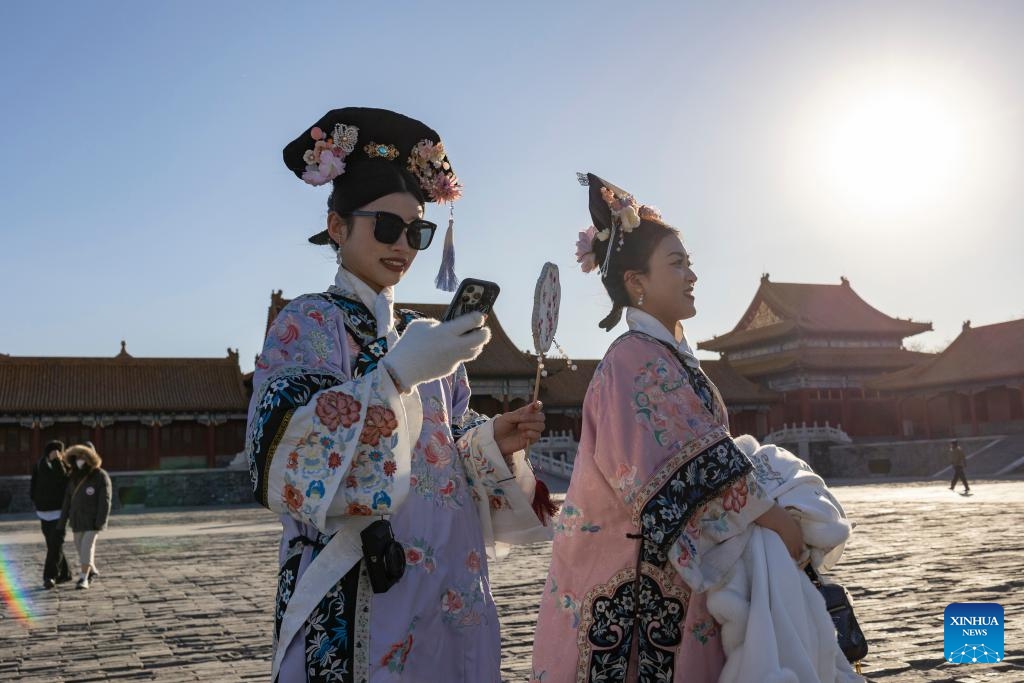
pixel 321 344
pixel 473 561
pixel 661 407
pixel 371 474
pixel 293 461
pixel 327 636
pixel 336 408
pixel 689 488
pixel 287 331
pixel 605 636
pixel 419 553
pixel 334 460
pixel 380 423
pixel 438 450
pixel 459 606
pixel 704 631
pixel 568 603
pixel 434 475
pixel 497 498
pixel 292 497
pixel 627 482
pixel 571 520
pixel 735 497
pixel 395 657
pixel 358 509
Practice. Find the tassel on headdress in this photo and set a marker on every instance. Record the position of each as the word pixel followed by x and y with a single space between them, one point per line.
pixel 446 279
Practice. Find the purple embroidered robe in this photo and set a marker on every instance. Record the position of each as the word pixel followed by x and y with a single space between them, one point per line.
pixel 332 445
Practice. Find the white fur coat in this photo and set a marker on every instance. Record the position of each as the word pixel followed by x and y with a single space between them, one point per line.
pixel 775 628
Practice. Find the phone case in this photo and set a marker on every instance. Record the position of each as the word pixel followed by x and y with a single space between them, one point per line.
pixel 472 295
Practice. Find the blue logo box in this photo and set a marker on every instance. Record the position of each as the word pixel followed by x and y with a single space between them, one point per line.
pixel 974 633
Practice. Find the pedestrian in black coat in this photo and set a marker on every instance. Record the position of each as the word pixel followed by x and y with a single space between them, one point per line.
pixel 47 488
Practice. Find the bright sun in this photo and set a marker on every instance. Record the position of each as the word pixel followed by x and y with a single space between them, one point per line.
pixel 891 150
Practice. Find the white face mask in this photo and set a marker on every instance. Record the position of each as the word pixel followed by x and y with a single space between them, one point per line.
pixel 80 462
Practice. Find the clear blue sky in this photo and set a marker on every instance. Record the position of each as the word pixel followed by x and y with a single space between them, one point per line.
pixel 142 195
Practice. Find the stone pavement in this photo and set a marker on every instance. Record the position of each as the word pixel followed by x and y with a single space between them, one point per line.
pixel 185 595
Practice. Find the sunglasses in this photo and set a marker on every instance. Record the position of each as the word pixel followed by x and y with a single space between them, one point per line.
pixel 388 227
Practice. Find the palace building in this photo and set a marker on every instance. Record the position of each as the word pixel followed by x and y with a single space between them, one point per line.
pixel 819 346
pixel 973 388
pixel 140 413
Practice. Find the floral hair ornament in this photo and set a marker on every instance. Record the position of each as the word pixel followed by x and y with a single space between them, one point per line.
pixel 326 160
pixel 429 163
pixel 328 152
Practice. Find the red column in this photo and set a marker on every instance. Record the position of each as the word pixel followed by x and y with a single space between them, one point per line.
pixel 154 447
pixel 900 432
pixel 210 446
pixel 974 415
pixel 37 442
pixel 805 405
pixel 949 411
pixel 846 412
pixel 927 419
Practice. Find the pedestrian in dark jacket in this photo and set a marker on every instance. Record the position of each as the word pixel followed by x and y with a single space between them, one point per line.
pixel 958 460
pixel 47 488
pixel 86 506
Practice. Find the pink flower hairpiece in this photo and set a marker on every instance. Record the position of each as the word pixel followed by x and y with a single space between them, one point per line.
pixel 585 249
pixel 429 163
pixel 326 161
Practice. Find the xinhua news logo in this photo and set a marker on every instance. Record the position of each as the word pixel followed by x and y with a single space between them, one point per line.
pixel 974 633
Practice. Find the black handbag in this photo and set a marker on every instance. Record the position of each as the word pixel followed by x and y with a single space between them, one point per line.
pixel 848 632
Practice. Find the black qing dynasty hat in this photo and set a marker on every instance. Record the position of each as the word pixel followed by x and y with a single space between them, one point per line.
pixel 367 153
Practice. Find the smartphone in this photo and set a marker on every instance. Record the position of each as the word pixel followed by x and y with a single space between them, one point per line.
pixel 472 295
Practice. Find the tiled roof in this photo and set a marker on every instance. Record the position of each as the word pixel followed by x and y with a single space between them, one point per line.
pixel 121 384
pixel 829 359
pixel 780 308
pixel 733 387
pixel 979 354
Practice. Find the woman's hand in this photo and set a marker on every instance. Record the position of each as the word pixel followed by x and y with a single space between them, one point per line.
pixel 515 431
pixel 780 521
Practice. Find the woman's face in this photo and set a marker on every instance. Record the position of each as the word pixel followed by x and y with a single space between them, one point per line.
pixel 668 283
pixel 378 265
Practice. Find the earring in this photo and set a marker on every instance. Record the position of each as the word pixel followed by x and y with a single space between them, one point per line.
pixel 640 301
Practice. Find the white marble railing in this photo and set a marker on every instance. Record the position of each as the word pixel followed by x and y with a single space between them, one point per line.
pixel 803 434
pixel 555 454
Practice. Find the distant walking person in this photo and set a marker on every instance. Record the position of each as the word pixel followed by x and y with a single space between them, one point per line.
pixel 49 483
pixel 86 507
pixel 959 462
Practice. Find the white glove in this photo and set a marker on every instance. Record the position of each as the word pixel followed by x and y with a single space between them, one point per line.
pixel 429 350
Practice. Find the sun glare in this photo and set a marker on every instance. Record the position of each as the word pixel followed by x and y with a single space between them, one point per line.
pixel 893 150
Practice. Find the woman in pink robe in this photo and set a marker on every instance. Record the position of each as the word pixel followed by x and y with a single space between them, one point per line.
pixel 658 484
